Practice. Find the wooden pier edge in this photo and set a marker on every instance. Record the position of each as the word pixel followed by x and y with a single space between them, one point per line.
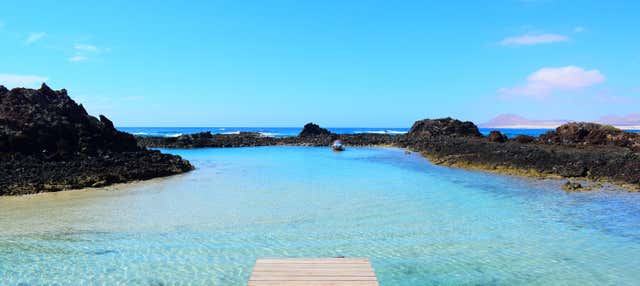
pixel 313 272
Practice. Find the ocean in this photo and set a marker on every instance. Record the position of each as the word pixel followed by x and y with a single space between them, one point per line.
pixel 293 131
pixel 419 223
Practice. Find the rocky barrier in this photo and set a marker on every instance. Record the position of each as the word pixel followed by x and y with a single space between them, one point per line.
pixel 49 143
pixel 311 135
pixel 574 150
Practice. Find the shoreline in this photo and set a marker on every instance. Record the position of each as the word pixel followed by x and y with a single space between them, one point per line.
pixel 550 127
pixel 590 184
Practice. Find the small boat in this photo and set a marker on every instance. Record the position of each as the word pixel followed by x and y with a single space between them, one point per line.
pixel 337 145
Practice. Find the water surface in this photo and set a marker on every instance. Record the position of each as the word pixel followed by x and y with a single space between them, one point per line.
pixel 420 224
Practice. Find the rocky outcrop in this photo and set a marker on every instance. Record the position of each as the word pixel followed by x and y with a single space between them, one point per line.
pixel 443 127
pixel 524 139
pixel 591 134
pixel 497 136
pixel 311 129
pixel 49 143
pixel 251 139
pixel 600 157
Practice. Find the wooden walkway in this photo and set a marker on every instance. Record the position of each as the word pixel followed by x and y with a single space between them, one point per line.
pixel 313 272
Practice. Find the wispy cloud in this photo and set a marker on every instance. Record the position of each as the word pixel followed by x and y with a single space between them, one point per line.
pixel 77 58
pixel 579 29
pixel 86 48
pixel 16 80
pixel 1 24
pixel 34 37
pixel 83 51
pixel 534 39
pixel 546 81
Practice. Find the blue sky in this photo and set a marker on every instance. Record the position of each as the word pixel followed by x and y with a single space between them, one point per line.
pixel 338 63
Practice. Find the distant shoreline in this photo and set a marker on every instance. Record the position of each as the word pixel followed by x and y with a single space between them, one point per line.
pixel 532 126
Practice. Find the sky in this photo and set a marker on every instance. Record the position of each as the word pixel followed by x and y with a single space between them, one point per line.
pixel 338 63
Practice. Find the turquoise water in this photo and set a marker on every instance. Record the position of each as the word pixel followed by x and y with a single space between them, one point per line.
pixel 419 224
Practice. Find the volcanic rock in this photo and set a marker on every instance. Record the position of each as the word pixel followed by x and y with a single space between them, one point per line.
pixel 49 143
pixel 312 129
pixel 572 186
pixel 443 127
pixel 524 139
pixel 496 136
pixel 591 134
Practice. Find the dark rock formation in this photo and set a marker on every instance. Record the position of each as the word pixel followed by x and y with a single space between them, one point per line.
pixel 601 161
pixel 443 127
pixel 572 186
pixel 251 139
pixel 496 136
pixel 206 139
pixel 524 139
pixel 591 134
pixel 50 143
pixel 312 129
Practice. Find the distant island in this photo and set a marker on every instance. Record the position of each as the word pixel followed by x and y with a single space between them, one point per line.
pixel 628 122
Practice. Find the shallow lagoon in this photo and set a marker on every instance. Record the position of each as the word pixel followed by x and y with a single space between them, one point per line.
pixel 420 224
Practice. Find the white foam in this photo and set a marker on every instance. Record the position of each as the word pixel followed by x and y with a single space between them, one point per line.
pixel 173 135
pixel 268 134
pixel 381 132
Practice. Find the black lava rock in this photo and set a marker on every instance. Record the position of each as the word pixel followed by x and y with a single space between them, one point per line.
pixel 496 136
pixel 49 143
pixel 443 127
pixel 312 129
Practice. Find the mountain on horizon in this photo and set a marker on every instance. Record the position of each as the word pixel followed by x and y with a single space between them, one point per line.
pixel 517 121
pixel 631 121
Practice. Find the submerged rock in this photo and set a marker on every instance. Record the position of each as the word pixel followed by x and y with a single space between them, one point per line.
pixel 49 143
pixel 572 186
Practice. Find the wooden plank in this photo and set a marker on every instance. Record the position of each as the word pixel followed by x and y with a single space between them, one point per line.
pixel 313 260
pixel 313 283
pixel 315 266
pixel 313 272
pixel 311 278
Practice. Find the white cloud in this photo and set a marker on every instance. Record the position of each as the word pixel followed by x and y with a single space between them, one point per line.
pixel 34 37
pixel 578 29
pixel 86 48
pixel 16 80
pixel 534 39
pixel 83 51
pixel 546 81
pixel 77 58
